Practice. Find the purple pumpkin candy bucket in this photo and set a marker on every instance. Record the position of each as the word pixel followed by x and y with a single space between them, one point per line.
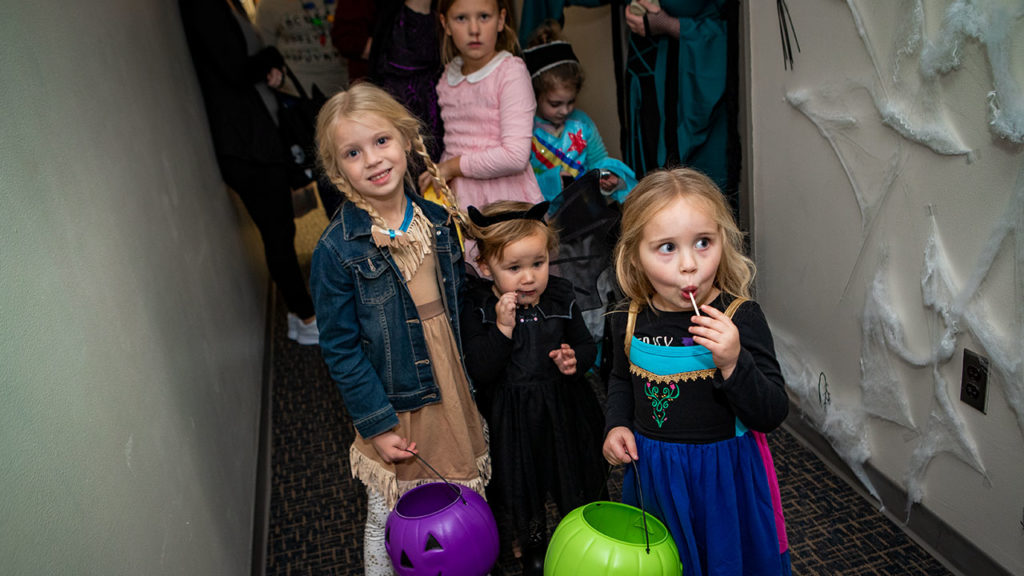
pixel 441 529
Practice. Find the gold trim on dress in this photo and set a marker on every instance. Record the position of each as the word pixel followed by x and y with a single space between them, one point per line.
pixel 677 377
pixel 634 309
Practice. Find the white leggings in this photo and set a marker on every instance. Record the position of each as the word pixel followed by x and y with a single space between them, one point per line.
pixel 375 556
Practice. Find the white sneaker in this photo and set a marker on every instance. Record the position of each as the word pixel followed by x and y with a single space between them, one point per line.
pixel 305 334
pixel 293 332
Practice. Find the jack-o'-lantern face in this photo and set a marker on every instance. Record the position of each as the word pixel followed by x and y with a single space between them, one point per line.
pixel 404 561
pixel 441 529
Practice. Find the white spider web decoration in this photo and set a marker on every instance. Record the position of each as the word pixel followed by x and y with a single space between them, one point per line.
pixel 907 100
pixel 882 395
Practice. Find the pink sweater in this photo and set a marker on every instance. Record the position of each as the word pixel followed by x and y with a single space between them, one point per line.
pixel 488 121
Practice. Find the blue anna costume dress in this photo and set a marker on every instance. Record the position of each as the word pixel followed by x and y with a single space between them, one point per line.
pixel 703 461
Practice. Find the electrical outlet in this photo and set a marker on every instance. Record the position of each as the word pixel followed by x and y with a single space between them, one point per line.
pixel 974 380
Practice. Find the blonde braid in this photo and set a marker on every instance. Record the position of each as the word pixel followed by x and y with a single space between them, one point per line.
pixel 444 191
pixel 357 199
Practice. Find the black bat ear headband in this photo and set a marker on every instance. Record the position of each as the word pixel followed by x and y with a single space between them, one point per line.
pixel 536 212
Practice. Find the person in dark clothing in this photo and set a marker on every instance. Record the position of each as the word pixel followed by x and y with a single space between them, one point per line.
pixel 395 45
pixel 526 348
pixel 236 75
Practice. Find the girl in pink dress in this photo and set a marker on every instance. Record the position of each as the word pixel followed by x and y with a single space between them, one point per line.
pixel 487 105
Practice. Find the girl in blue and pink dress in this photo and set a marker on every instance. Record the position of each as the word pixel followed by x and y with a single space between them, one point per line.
pixel 695 384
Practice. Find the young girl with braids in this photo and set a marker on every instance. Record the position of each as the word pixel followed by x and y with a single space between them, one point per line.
pixel 695 384
pixel 387 276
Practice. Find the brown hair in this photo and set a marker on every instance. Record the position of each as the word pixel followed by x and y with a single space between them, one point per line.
pixel 506 38
pixel 492 240
pixel 567 74
pixel 735 270
pixel 360 99
pixel 546 32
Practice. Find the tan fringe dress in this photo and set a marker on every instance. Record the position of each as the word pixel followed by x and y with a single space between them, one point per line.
pixel 450 434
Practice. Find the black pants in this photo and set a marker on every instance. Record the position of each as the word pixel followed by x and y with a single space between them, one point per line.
pixel 330 196
pixel 267 197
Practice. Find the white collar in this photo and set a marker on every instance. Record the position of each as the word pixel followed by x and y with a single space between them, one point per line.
pixel 455 75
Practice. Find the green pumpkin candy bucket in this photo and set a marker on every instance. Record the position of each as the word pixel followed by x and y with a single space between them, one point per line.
pixel 611 538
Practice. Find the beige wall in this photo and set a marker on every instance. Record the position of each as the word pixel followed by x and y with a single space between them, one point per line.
pixel 590 30
pixel 131 310
pixel 845 209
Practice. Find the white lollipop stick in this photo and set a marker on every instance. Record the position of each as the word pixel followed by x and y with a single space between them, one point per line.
pixel 694 302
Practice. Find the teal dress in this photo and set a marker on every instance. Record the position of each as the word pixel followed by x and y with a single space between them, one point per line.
pixel 675 94
pixel 574 151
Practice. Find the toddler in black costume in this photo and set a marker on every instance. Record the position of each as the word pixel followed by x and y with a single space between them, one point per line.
pixel 527 348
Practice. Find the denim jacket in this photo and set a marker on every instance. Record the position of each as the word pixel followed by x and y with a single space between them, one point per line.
pixel 370 332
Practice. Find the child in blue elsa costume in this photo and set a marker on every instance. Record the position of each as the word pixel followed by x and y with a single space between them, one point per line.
pixel 566 143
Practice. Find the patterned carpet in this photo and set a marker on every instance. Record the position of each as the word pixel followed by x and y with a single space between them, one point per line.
pixel 317 510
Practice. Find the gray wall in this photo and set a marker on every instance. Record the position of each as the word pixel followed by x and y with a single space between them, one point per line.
pixel 887 176
pixel 132 307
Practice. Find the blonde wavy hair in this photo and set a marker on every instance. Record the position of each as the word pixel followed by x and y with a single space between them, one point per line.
pixel 735 270
pixel 360 99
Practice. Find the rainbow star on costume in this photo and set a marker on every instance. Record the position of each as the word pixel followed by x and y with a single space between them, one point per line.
pixel 578 143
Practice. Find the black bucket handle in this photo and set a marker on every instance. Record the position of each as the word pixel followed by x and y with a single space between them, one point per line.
pixel 457 491
pixel 640 496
